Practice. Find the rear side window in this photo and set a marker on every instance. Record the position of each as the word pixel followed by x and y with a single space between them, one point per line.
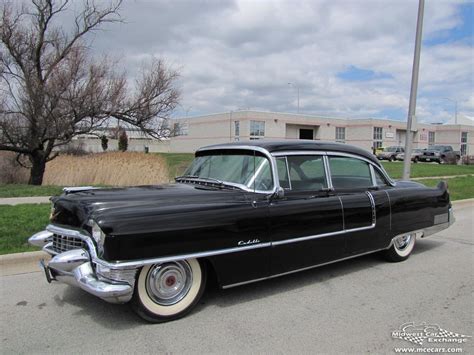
pixel 379 178
pixel 347 173
pixel 306 172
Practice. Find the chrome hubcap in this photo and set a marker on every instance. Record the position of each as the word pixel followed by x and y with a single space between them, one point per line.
pixel 169 283
pixel 401 243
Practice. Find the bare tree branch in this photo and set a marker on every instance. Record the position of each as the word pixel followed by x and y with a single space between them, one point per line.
pixel 52 90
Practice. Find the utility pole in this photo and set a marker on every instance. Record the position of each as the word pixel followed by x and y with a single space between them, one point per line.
pixel 411 121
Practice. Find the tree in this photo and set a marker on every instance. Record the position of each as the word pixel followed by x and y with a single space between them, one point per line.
pixel 104 141
pixel 123 141
pixel 53 90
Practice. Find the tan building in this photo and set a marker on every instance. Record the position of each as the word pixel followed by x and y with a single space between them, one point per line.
pixel 199 131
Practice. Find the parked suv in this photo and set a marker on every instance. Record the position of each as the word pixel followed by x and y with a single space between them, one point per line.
pixel 440 154
pixel 390 153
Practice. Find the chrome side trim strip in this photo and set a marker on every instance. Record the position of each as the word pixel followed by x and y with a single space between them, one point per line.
pixel 164 259
pixel 342 210
pixel 317 236
pixel 372 203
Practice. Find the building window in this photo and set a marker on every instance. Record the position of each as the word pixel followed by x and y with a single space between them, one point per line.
pixel 463 143
pixel 431 138
pixel 341 134
pixel 257 129
pixel 378 135
pixel 237 128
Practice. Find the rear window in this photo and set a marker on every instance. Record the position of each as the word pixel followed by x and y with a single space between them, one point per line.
pixel 349 173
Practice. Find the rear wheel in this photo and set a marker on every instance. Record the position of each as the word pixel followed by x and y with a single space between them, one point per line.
pixel 390 159
pixel 415 160
pixel 168 291
pixel 401 248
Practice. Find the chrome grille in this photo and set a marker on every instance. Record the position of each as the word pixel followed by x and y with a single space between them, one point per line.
pixel 62 243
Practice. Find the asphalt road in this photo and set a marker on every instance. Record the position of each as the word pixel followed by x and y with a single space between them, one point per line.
pixel 348 307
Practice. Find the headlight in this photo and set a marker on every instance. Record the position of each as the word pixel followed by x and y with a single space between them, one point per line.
pixel 98 234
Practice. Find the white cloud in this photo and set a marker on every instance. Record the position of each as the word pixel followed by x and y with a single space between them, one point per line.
pixel 242 54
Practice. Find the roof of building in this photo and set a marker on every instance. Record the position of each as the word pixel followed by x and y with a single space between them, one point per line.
pixel 299 145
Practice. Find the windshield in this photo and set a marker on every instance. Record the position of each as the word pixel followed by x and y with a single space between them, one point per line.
pixel 251 172
pixel 390 149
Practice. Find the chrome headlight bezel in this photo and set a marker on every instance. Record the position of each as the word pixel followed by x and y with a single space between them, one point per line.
pixel 97 234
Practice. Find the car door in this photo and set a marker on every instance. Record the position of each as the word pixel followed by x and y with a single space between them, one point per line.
pixel 366 207
pixel 306 224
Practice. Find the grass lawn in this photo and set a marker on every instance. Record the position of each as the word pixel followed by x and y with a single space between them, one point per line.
pixel 177 163
pixel 20 190
pixel 18 223
pixel 460 188
pixel 395 169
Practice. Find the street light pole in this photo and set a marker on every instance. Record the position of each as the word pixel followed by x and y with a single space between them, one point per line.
pixel 410 133
pixel 455 109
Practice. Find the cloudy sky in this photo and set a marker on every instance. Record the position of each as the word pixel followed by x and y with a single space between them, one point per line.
pixel 349 58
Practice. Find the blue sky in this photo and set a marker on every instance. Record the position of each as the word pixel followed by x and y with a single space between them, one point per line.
pixel 348 58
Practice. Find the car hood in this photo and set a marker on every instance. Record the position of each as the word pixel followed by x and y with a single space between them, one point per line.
pixel 108 206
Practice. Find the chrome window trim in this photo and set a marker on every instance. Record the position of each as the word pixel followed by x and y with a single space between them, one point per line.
pixel 327 170
pixel 341 154
pixel 372 175
pixel 266 153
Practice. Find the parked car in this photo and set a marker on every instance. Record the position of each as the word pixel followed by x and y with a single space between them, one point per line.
pixel 390 153
pixel 242 212
pixel 415 155
pixel 440 154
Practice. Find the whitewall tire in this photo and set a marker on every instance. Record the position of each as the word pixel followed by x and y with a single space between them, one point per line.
pixel 401 248
pixel 168 291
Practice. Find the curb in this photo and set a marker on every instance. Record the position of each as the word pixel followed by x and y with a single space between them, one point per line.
pixel 18 263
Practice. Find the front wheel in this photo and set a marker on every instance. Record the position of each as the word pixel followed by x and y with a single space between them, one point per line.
pixel 168 291
pixel 401 248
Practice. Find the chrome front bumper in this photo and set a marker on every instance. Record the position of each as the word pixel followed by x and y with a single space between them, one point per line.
pixel 76 268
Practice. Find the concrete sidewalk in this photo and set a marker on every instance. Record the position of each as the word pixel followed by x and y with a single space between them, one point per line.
pixel 12 201
pixel 441 177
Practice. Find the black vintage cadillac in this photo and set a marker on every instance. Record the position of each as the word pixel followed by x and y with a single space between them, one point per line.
pixel 242 212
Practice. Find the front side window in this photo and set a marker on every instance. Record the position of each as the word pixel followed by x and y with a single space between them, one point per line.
pixel 347 173
pixel 252 172
pixel 257 129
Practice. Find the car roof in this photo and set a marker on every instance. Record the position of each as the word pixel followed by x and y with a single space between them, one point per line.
pixel 297 145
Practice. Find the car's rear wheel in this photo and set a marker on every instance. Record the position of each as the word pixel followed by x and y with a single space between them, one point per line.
pixel 401 248
pixel 390 159
pixel 168 291
pixel 415 160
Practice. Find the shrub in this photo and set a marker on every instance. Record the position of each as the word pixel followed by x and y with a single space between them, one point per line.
pixel 123 142
pixel 104 141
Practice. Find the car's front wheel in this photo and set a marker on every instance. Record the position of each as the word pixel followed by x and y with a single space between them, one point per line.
pixel 401 248
pixel 168 291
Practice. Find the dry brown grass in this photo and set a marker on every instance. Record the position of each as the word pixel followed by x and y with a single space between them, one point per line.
pixel 10 171
pixel 114 168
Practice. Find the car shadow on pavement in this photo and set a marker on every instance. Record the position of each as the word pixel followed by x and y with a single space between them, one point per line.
pixel 112 316
pixel 295 281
